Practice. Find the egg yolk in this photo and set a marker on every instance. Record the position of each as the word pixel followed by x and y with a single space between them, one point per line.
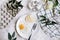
pixel 21 26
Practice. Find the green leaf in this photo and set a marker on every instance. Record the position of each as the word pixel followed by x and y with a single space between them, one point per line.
pixel 14 38
pixel 19 2
pixel 15 4
pixel 47 21
pixel 53 22
pixel 13 1
pixel 9 36
pixel 21 6
pixel 56 3
pixel 18 5
pixel 10 1
pixel 50 0
pixel 14 7
pixel 42 19
pixel 7 5
pixel 59 12
pixel 13 34
pixel 42 16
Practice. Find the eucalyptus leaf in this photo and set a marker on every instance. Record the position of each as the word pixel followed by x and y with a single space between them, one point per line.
pixel 50 0
pixel 46 21
pixel 59 12
pixel 42 19
pixel 14 4
pixel 13 1
pixel 14 38
pixel 42 16
pixel 13 34
pixel 9 36
pixel 10 1
pixel 56 3
pixel 53 22
pixel 19 2
pixel 21 6
pixel 7 5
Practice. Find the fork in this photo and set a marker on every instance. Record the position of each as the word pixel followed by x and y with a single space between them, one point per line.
pixel 33 28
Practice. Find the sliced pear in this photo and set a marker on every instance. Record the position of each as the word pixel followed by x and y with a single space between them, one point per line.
pixel 29 18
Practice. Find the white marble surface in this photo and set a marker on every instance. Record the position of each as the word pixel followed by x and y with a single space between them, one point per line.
pixel 37 35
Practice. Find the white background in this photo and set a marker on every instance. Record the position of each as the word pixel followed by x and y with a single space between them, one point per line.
pixel 37 35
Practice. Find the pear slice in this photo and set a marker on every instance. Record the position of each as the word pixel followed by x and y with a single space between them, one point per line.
pixel 29 18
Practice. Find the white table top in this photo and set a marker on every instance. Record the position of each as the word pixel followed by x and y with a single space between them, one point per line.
pixel 37 35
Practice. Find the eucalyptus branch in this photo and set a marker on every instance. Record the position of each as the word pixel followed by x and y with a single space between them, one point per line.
pixel 13 4
pixel 46 21
pixel 11 37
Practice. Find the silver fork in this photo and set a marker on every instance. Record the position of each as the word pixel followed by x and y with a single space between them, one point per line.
pixel 33 28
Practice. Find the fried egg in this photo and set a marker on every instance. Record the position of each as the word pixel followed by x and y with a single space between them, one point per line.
pixel 23 28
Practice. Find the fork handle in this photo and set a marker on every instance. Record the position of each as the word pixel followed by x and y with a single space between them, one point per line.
pixel 29 37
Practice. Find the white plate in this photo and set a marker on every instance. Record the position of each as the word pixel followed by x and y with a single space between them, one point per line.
pixel 24 34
